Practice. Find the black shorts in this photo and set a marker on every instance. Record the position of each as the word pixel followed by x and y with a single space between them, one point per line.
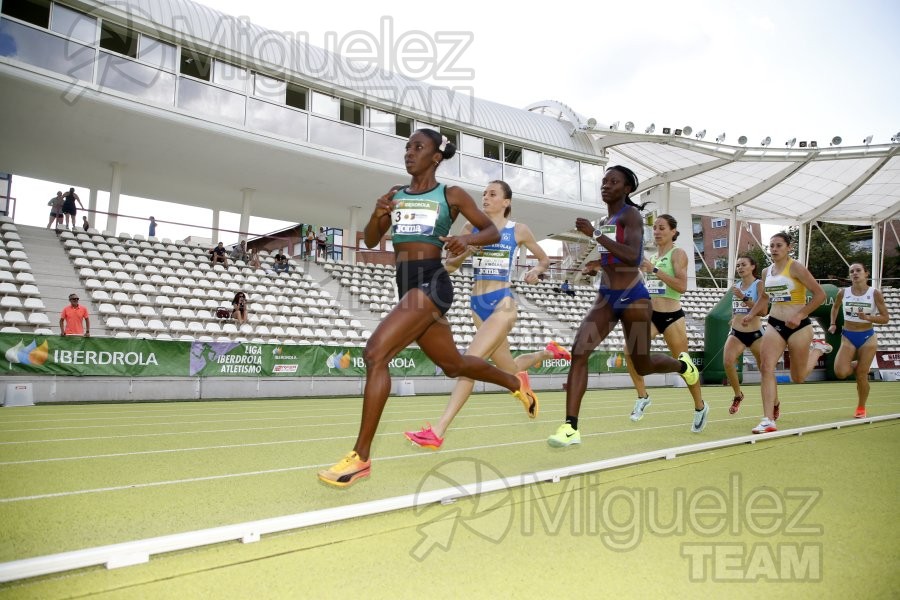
pixel 783 330
pixel 662 320
pixel 746 337
pixel 69 209
pixel 431 277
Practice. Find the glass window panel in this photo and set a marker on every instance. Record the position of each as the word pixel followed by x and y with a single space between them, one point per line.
pixel 73 24
pixel 472 145
pixel 269 88
pixel 45 50
pixel 326 105
pixel 297 96
pixel 531 159
pixel 119 39
pixel 157 53
pixel 388 148
pixel 591 176
pixel 204 99
pixel 195 64
pixel 404 126
pixel 523 181
pixel 449 166
pixel 351 112
pixel 560 178
pixel 276 119
pixel 380 120
pixel 492 149
pixel 512 154
pixel 230 76
pixel 342 136
pixel 479 170
pixel 125 75
pixel 36 12
pixel 452 136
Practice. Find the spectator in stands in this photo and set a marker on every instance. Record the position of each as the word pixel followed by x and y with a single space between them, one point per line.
pixel 74 319
pixel 239 252
pixel 219 254
pixel 152 228
pixel 321 244
pixel 85 224
pixel 425 290
pixel 742 337
pixel 239 308
pixel 56 213
pixel 863 306
pixel 565 288
pixel 493 306
pixel 622 297
pixel 308 242
pixel 281 263
pixel 665 276
pixel 785 283
pixel 69 209
pixel 254 261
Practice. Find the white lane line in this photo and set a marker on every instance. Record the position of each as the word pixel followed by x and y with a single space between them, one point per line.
pixel 541 440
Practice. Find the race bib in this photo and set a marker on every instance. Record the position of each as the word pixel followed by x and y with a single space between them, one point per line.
pixel 655 286
pixel 491 262
pixel 851 309
pixel 608 230
pixel 778 293
pixel 739 307
pixel 414 217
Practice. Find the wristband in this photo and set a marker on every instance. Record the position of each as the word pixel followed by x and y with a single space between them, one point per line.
pixel 655 270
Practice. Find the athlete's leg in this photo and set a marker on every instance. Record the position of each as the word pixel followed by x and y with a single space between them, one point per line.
pixel 677 342
pixel 771 349
pixel 865 356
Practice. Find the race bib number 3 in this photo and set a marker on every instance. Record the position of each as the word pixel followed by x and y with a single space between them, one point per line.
pixel 415 217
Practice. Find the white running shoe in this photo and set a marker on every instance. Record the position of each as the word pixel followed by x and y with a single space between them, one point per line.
pixel 640 405
pixel 823 346
pixel 700 419
pixel 765 426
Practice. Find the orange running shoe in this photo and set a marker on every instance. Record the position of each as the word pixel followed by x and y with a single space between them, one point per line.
pixel 736 404
pixel 526 395
pixel 860 413
pixel 348 470
pixel 557 351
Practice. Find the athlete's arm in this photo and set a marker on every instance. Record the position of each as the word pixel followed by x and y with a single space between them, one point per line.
pixel 525 237
pixel 487 233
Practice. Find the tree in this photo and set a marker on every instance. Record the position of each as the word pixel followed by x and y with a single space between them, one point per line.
pixel 825 263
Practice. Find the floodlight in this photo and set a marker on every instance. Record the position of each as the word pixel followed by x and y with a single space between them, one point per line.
pixel 591 123
pixel 814 144
pixel 803 144
pixel 629 126
pixel 790 143
pixel 742 140
pixel 720 138
pixel 667 130
pixel 651 128
pixel 896 138
pixel 688 130
pixel 614 126
pixel 701 134
pixel 867 140
pixel 836 140
pixel 766 141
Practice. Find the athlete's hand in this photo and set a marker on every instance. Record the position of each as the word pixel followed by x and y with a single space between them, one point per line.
pixel 531 276
pixel 745 320
pixel 591 267
pixel 646 266
pixel 832 329
pixel 454 245
pixel 735 290
pixel 385 204
pixel 793 322
pixel 585 227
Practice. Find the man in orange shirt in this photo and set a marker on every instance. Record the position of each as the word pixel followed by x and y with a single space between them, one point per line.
pixel 71 317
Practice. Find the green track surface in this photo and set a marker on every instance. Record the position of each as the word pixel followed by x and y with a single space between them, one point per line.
pixel 74 477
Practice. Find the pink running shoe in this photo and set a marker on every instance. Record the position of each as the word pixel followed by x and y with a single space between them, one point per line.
pixel 557 351
pixel 425 438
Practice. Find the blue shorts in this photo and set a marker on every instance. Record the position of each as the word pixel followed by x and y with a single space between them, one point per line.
pixel 858 338
pixel 484 305
pixel 621 299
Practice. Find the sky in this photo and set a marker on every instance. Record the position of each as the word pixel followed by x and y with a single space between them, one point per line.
pixel 806 69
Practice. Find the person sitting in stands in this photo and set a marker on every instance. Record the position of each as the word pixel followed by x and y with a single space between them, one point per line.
pixel 219 255
pixel 254 261
pixel 281 263
pixel 239 252
pixel 239 312
pixel 565 288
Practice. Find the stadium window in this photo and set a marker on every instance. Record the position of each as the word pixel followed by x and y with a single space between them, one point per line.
pixel 195 64
pixel 452 136
pixel 380 120
pixel 472 144
pixel 720 243
pixel 718 223
pixel 492 149
pixel 230 76
pixel 351 112
pixel 512 154
pixel 157 53
pixel 73 24
pixel 328 106
pixel 531 159
pixel 36 12
pixel 404 126
pixel 297 96
pixel 119 39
